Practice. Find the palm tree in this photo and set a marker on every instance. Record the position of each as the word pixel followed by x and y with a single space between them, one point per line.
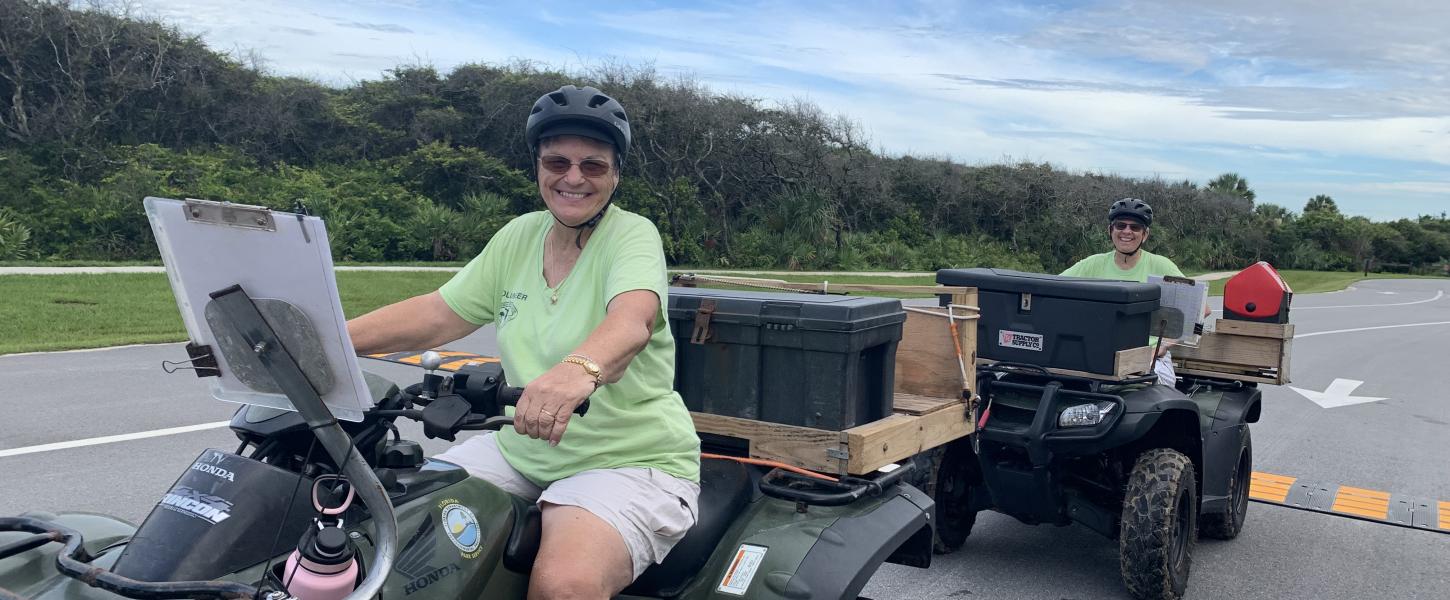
pixel 1231 183
pixel 1321 202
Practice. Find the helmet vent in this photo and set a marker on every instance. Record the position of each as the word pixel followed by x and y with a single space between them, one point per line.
pixel 598 100
pixel 621 115
pixel 560 99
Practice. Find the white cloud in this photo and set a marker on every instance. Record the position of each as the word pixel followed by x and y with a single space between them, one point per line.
pixel 339 42
pixel 1176 88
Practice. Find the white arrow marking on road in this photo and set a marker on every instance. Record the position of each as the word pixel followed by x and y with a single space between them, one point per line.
pixel 1337 395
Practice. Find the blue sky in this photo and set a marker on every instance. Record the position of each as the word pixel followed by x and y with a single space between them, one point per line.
pixel 1298 97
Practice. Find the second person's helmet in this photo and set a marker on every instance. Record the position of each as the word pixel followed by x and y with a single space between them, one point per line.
pixel 1131 208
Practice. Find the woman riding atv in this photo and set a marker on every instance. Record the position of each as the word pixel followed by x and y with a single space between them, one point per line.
pixel 577 292
pixel 1129 221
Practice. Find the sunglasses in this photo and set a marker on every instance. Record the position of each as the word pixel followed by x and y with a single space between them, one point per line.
pixel 559 165
pixel 1121 225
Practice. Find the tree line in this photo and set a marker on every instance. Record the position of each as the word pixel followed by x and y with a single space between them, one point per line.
pixel 99 109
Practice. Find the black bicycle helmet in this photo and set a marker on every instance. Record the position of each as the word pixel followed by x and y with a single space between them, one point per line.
pixel 582 111
pixel 1131 208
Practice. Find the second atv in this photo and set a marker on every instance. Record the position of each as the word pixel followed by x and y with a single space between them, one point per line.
pixel 1149 465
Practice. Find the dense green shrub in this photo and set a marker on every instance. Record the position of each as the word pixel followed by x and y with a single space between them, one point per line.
pixel 427 165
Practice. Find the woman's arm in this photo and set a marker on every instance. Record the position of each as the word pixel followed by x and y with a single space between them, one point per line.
pixel 549 400
pixel 418 323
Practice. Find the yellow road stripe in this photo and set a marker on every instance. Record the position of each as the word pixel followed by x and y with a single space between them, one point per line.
pixel 1353 501
pixel 1362 502
pixel 1354 491
pixel 1267 486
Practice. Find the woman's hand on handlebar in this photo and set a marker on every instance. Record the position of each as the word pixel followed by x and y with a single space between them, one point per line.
pixel 549 401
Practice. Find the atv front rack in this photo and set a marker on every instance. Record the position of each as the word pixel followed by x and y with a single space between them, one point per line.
pixel 803 490
pixel 73 561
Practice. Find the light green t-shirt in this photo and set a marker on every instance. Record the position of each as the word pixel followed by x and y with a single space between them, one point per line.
pixel 638 421
pixel 1101 266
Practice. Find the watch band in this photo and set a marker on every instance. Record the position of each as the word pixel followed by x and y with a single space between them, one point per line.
pixel 590 367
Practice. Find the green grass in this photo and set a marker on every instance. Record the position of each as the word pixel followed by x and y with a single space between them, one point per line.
pixel 157 263
pixel 79 263
pixel 65 312
pixel 1316 282
pixel 835 279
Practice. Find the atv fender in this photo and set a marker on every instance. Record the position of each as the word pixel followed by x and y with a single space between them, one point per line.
pixel 1223 443
pixel 779 550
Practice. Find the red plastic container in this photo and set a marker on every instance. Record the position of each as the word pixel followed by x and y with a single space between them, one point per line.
pixel 1257 294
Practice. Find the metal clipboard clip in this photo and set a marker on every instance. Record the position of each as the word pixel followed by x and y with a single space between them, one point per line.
pixel 202 361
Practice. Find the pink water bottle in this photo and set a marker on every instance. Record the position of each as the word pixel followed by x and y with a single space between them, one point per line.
pixel 323 567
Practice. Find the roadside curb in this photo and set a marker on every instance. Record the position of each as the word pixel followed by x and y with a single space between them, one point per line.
pixel 80 350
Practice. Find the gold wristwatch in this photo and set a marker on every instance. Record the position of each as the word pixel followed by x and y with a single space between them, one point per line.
pixel 590 367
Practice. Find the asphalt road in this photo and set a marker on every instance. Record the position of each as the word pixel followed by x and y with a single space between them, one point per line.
pixel 1398 348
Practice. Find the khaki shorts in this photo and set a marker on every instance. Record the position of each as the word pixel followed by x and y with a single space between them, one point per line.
pixel 649 508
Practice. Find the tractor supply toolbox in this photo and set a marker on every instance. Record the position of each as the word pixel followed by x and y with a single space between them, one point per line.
pixel 819 361
pixel 1082 325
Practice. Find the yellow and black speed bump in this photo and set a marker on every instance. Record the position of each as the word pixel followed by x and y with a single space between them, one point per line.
pixel 452 361
pixel 1351 502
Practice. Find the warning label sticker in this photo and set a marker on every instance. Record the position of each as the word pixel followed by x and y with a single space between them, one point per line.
pixel 742 570
pixel 1019 340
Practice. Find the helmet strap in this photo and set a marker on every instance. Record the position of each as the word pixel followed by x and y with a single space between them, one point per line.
pixel 590 224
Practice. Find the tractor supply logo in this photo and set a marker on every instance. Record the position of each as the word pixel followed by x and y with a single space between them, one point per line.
pixel 417 553
pixel 1019 340
pixel 461 527
pixel 189 502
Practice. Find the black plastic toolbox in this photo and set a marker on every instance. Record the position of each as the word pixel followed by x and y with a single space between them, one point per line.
pixel 1054 321
pixel 800 359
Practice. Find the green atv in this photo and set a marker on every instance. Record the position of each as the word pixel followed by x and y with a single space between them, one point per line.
pixel 1148 465
pixel 227 526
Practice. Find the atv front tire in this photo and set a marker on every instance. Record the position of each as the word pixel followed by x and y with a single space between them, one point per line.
pixel 1227 525
pixel 1159 525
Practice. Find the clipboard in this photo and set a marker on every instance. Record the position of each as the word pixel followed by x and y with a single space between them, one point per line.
pixel 284 262
pixel 1180 308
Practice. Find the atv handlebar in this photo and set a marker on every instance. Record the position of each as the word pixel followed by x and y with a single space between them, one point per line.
pixel 462 406
pixel 786 485
pixel 509 396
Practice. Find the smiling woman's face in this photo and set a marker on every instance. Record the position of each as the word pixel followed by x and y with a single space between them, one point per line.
pixel 571 196
pixel 1128 235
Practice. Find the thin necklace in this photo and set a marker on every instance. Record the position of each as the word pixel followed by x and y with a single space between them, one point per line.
pixel 554 299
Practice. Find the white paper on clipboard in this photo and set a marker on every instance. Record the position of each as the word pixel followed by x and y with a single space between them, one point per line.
pixel 292 263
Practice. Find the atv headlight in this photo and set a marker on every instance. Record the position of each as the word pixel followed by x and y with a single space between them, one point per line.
pixel 1084 415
